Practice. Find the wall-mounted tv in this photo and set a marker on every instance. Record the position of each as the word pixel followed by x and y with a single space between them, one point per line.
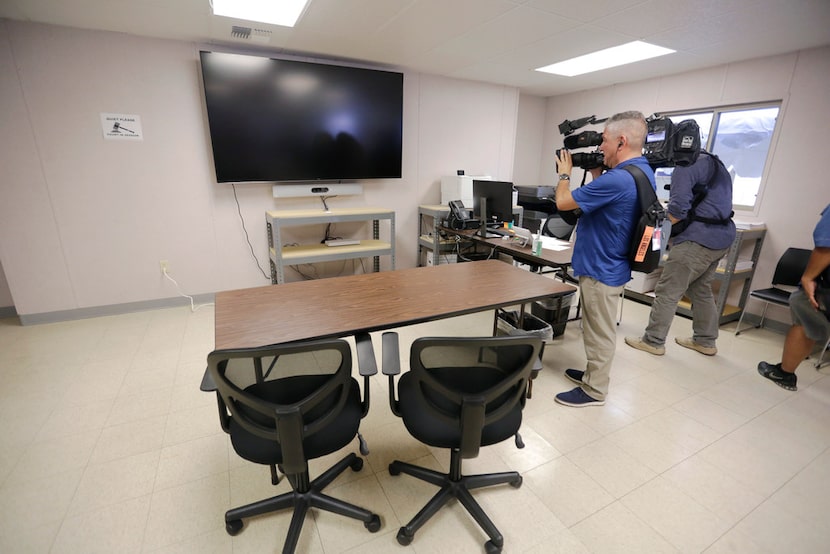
pixel 286 120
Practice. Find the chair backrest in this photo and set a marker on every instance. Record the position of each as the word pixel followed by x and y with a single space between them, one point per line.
pixel 466 392
pixel 281 402
pixel 555 226
pixel 791 267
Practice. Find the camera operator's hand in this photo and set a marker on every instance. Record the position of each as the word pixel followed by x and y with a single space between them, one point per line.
pixel 564 163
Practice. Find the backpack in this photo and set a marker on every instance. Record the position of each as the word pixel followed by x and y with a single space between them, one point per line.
pixel 642 255
pixel 700 192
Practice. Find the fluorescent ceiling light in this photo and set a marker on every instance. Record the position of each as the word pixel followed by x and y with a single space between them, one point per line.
pixel 603 59
pixel 275 12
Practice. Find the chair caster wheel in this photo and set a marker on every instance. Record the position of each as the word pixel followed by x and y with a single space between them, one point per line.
pixel 404 539
pixel 394 469
pixel 373 525
pixel 357 464
pixel 517 483
pixel 491 548
pixel 233 527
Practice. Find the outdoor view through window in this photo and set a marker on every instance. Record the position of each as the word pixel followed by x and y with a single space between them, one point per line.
pixel 741 137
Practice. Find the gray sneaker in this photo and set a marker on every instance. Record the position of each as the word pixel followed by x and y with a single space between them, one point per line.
pixel 688 342
pixel 640 344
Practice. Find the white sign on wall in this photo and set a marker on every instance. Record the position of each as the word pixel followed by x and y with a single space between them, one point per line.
pixel 117 126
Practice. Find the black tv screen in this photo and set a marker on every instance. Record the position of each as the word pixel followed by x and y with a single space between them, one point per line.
pixel 285 120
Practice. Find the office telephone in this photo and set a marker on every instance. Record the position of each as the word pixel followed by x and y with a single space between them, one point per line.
pixel 460 217
pixel 458 210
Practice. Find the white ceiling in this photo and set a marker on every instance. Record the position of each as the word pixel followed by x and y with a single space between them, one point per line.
pixel 496 41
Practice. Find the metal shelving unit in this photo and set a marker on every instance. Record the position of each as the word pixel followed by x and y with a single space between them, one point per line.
pixel 730 274
pixel 282 255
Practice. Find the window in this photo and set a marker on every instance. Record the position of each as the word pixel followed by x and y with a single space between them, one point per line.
pixel 741 138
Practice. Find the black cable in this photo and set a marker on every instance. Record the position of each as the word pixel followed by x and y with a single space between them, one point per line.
pixel 247 238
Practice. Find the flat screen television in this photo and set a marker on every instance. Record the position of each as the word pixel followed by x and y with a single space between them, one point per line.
pixel 286 120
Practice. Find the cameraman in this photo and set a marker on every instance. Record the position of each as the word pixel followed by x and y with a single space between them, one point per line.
pixel 705 234
pixel 610 210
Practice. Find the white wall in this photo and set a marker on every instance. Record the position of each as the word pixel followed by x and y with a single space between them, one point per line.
pixel 529 140
pixel 5 294
pixel 796 187
pixel 85 221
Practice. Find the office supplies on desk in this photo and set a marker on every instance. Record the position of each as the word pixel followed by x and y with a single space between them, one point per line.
pixel 553 243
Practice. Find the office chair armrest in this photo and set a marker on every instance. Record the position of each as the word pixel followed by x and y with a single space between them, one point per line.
pixel 208 384
pixel 367 365
pixel 391 366
pixel 391 354
pixel 366 361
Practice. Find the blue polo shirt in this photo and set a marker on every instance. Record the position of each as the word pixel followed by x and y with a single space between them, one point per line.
pixel 610 211
pixel 821 234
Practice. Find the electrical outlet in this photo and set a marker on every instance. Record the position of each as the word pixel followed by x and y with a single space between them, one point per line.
pixel 164 265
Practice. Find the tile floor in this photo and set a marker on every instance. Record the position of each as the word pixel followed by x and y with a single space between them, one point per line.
pixel 108 446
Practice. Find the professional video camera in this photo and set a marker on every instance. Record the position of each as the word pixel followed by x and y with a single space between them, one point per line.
pixel 585 139
pixel 669 144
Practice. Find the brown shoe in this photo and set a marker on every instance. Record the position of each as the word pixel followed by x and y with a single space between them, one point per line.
pixel 640 344
pixel 688 342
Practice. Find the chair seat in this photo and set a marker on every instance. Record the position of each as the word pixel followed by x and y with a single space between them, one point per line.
pixel 339 434
pixel 773 294
pixel 429 428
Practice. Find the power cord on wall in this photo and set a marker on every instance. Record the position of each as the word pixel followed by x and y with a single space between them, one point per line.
pixel 247 238
pixel 193 306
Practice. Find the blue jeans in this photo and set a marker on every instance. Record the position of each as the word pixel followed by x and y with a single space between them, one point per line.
pixel 689 269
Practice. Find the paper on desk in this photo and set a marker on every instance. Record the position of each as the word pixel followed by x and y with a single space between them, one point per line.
pixel 553 243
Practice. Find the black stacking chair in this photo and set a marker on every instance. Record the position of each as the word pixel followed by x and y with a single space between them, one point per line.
pixel 788 273
pixel 285 405
pixel 460 394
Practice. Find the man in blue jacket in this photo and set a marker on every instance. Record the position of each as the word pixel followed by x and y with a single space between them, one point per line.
pixel 810 311
pixel 706 235
pixel 610 211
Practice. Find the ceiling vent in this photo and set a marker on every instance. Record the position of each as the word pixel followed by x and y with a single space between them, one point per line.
pixel 246 33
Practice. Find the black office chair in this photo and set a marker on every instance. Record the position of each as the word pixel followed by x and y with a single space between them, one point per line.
pixel 284 405
pixel 555 226
pixel 788 272
pixel 461 394
pixel 820 355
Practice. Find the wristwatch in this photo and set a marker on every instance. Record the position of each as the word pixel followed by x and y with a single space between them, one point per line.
pixel 564 177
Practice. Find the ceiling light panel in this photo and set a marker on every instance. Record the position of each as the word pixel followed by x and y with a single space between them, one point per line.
pixel 603 59
pixel 284 13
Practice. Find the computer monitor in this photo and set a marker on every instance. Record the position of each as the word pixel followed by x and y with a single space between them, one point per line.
pixel 497 202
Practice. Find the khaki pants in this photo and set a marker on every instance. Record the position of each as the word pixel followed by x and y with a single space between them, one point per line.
pixel 599 329
pixel 690 268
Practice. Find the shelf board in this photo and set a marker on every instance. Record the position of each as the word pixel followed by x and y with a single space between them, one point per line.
pixel 311 253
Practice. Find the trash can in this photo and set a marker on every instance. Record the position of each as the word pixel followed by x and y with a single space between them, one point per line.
pixel 554 310
pixel 508 324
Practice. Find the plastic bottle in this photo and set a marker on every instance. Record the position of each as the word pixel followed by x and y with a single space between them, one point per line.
pixel 537 245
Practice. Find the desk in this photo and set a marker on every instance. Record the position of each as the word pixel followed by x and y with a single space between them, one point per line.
pixel 559 259
pixel 343 306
